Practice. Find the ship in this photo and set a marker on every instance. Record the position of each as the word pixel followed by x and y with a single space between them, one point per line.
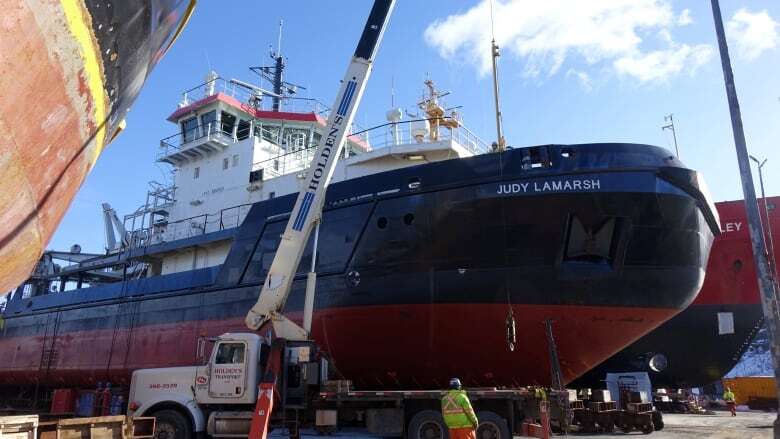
pixel 713 333
pixel 71 70
pixel 438 255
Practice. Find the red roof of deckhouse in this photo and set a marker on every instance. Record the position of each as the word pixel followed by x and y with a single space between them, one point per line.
pixel 233 102
pixel 260 114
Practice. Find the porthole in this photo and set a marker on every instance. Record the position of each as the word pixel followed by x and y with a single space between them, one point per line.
pixel 381 223
pixel 409 219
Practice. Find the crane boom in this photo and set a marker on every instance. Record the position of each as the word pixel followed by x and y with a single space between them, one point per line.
pixel 308 206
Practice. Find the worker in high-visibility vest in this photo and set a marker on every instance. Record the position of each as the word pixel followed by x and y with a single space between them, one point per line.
pixel 458 413
pixel 731 401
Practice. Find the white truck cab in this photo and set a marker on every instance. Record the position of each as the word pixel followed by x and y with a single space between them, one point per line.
pixel 229 378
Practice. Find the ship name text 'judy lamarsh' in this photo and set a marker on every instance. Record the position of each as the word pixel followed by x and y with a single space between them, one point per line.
pixel 550 186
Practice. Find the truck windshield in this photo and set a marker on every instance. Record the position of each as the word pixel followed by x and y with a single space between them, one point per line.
pixel 230 353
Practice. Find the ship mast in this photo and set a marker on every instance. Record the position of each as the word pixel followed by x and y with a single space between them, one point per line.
pixel 278 69
pixel 500 144
pixel 275 74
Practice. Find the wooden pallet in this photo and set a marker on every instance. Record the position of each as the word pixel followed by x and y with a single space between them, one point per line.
pixel 102 427
pixel 18 427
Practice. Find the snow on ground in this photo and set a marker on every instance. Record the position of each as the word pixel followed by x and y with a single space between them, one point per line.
pixel 757 360
pixel 721 425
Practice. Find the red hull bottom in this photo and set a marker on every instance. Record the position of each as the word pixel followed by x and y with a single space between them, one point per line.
pixel 417 346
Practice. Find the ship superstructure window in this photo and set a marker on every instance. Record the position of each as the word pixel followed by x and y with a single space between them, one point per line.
pixel 208 122
pixel 196 172
pixel 189 129
pixel 268 132
pixel 243 130
pixel 296 138
pixel 225 163
pixel 235 160
pixel 228 122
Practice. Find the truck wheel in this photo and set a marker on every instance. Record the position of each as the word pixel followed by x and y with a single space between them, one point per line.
pixel 492 426
pixel 427 424
pixel 658 421
pixel 171 424
pixel 648 427
pixel 607 426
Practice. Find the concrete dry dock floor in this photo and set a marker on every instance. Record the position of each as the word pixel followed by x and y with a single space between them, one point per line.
pixel 721 425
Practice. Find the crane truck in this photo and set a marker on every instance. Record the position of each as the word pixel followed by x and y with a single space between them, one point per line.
pixel 254 382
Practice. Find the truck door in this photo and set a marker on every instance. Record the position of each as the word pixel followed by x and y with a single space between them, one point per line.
pixel 227 377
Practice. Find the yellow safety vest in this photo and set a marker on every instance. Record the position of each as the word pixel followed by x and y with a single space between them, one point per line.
pixel 456 410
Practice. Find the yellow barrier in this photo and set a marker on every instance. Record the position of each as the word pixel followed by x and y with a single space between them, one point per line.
pixel 745 388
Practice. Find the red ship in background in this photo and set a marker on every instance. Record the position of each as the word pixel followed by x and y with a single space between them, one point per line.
pixel 704 342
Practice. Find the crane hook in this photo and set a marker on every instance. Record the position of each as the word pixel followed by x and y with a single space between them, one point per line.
pixel 511 327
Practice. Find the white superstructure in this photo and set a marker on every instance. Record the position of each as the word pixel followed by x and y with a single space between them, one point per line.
pixel 230 152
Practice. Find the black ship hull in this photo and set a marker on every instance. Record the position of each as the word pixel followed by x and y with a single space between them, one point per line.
pixel 418 269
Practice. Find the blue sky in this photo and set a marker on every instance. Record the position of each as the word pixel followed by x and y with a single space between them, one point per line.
pixel 571 72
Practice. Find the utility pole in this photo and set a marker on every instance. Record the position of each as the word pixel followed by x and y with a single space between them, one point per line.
pixel 670 126
pixel 766 224
pixel 765 284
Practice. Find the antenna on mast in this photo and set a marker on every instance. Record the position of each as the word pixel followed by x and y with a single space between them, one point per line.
pixel 670 126
pixel 392 92
pixel 500 144
pixel 279 40
pixel 275 74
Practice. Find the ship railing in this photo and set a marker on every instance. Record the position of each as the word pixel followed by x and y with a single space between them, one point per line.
pixel 382 136
pixel 413 131
pixel 257 101
pixel 286 163
pixel 197 225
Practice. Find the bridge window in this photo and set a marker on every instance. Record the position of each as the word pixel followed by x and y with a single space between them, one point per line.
pixel 268 132
pixel 295 138
pixel 209 122
pixel 228 122
pixel 189 129
pixel 243 130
